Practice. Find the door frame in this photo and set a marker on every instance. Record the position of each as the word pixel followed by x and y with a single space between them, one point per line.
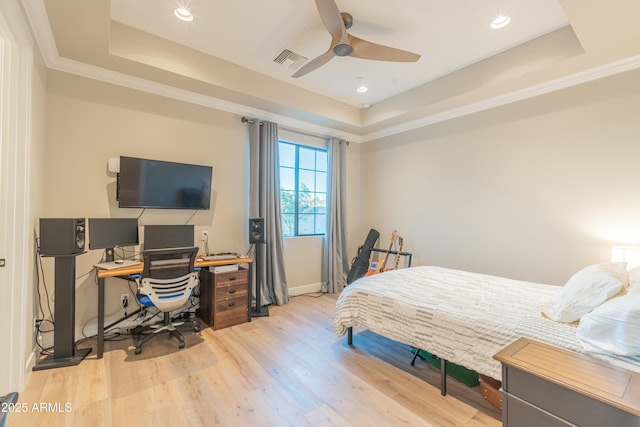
pixel 16 68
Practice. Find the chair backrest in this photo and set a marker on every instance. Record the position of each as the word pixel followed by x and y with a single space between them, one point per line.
pixel 168 276
pixel 7 401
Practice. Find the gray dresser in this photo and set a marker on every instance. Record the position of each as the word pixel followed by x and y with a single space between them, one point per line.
pixel 546 386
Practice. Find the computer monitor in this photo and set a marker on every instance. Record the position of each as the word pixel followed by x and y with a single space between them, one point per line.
pixel 167 236
pixel 109 233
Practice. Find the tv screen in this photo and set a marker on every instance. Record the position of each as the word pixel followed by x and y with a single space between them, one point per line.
pixel 144 183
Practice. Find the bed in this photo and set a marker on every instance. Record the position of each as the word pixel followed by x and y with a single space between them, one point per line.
pixel 459 316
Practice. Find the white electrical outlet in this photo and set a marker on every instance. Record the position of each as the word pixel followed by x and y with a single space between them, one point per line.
pixel 205 236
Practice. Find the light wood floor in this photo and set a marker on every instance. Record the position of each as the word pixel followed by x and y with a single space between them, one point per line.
pixel 286 369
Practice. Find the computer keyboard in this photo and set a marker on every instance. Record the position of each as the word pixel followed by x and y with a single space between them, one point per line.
pixel 218 257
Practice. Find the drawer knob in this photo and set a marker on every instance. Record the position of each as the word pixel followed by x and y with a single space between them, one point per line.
pixel 232 291
pixel 232 278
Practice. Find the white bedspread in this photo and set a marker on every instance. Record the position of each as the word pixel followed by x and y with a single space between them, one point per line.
pixel 462 317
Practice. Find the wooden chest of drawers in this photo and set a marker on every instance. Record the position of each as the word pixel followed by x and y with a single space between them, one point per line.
pixel 224 298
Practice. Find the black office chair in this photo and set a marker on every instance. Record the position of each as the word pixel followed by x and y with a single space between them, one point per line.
pixel 166 282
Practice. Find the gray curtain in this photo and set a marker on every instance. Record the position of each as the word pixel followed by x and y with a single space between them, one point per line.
pixel 335 262
pixel 264 202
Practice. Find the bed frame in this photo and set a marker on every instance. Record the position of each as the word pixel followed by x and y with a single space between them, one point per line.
pixel 402 304
pixel 443 363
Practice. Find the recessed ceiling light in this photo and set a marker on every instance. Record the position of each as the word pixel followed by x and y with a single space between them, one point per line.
pixel 500 21
pixel 183 14
pixel 361 88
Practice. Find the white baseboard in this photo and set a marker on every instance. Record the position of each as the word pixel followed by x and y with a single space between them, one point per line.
pixel 305 289
pixel 31 362
pixel 91 328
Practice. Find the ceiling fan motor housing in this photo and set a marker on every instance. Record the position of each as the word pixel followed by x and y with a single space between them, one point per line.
pixel 342 49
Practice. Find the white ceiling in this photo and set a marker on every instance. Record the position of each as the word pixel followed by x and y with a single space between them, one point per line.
pixel 449 34
pixel 228 65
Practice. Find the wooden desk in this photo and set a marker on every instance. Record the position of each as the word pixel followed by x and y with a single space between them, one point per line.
pixel 137 269
pixel 548 386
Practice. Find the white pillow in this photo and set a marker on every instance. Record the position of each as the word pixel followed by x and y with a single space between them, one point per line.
pixel 586 290
pixel 614 327
pixel 634 277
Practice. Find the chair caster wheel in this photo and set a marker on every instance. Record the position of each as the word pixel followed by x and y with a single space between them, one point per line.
pixel 181 345
pixel 138 350
pixel 197 329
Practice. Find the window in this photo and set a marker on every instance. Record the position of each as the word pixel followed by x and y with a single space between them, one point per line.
pixel 303 189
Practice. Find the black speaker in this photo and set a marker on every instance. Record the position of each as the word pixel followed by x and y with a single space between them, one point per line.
pixel 61 236
pixel 256 230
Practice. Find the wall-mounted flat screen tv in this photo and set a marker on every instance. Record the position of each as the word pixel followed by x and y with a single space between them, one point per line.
pixel 144 183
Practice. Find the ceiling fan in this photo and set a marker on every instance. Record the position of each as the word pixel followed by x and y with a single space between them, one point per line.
pixel 344 44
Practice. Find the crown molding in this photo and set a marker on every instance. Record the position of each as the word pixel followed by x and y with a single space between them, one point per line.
pixel 39 21
pixel 37 17
pixel 585 76
pixel 125 80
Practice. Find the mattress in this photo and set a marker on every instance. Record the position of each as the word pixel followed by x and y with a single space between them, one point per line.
pixel 460 316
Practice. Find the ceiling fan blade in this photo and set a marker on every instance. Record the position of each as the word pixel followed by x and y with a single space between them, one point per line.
pixel 369 50
pixel 314 63
pixel 332 20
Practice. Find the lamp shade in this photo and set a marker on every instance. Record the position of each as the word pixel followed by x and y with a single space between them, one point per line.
pixel 628 254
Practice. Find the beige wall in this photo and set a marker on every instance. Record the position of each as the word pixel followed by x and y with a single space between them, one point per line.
pixel 89 122
pixel 36 194
pixel 534 190
pixel 304 275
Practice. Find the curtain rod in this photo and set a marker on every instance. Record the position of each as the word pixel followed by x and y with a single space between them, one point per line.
pixel 250 120
pixel 324 137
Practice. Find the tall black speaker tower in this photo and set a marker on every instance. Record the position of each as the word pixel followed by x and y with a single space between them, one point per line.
pixel 257 238
pixel 63 239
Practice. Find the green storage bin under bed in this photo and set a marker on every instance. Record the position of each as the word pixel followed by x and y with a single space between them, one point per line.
pixel 462 374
